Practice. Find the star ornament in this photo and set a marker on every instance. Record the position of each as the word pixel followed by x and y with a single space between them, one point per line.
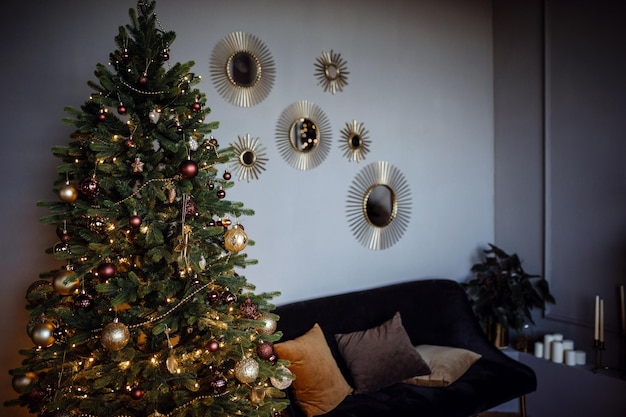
pixel 137 165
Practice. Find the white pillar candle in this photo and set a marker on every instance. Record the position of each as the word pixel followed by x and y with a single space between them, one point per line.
pixel 622 309
pixel 568 344
pixel 596 322
pixel 570 357
pixel 581 357
pixel 558 337
pixel 538 350
pixel 602 320
pixel 557 352
pixel 547 340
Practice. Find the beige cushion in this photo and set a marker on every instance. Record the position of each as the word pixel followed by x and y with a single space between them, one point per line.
pixel 447 364
pixel 319 386
pixel 380 356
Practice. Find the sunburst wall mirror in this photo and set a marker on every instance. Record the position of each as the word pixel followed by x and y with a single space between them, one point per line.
pixel 242 69
pixel 250 158
pixel 331 71
pixel 379 205
pixel 303 135
pixel 354 141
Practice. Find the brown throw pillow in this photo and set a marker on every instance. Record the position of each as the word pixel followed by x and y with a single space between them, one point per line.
pixel 380 356
pixel 319 386
pixel 447 364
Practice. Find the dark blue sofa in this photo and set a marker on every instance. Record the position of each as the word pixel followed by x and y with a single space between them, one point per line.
pixel 435 312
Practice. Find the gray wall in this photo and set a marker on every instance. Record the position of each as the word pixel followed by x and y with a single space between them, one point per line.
pixel 560 100
pixel 420 80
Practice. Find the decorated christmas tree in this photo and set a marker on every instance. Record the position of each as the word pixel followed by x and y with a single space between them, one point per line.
pixel 148 313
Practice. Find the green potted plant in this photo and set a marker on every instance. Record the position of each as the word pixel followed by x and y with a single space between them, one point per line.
pixel 503 295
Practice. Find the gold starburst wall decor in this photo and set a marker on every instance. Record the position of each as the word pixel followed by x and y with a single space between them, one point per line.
pixel 242 69
pixel 331 71
pixel 303 135
pixel 251 158
pixel 354 141
pixel 379 205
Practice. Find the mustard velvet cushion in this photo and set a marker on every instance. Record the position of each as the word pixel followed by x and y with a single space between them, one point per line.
pixel 380 356
pixel 319 386
pixel 447 364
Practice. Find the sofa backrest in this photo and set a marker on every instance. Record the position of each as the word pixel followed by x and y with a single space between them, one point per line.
pixel 434 311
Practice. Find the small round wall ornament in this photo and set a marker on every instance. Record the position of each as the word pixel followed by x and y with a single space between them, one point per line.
pixel 251 158
pixel 331 71
pixel 354 141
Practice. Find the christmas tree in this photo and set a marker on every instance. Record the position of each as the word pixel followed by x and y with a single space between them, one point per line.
pixel 146 314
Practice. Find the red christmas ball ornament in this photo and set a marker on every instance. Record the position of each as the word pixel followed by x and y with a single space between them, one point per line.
pixel 165 55
pixel 90 187
pixel 128 143
pixel 60 334
pixel 211 186
pixel 218 385
pixel 121 109
pixel 196 106
pixel 213 346
pixel 137 393
pixel 221 193
pixel 213 141
pixel 213 297
pixel 265 350
pixel 179 128
pixel 249 309
pixel 63 234
pixel 191 208
pixel 102 115
pixel 143 80
pixel 125 56
pixel 226 175
pixel 107 270
pixel 188 169
pixel 84 301
pixel 135 220
pixel 228 297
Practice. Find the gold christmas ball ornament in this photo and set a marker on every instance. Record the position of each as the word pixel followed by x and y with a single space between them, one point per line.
pixel 68 193
pixel 115 336
pixel 282 379
pixel 38 292
pixel 235 239
pixel 42 334
pixel 247 370
pixel 65 282
pixel 257 394
pixel 22 382
pixel 269 324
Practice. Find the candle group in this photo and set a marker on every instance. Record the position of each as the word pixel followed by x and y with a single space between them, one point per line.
pixel 559 350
